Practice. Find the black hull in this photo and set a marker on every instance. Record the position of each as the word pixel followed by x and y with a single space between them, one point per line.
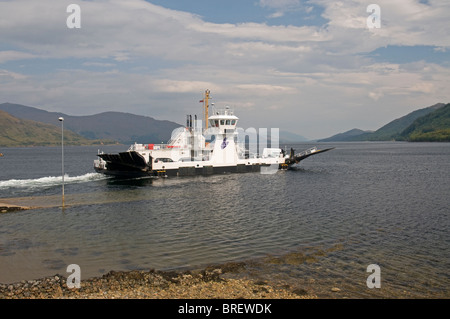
pixel 123 173
pixel 132 165
pixel 125 161
pixel 184 171
pixel 210 170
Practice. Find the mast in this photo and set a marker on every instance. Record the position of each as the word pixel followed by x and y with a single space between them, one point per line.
pixel 206 105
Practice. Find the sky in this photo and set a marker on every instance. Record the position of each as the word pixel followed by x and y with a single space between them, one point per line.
pixel 311 67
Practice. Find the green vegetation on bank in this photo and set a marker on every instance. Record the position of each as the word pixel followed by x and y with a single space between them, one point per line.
pixel 16 132
pixel 122 127
pixel 434 136
pixel 431 124
pixel 433 127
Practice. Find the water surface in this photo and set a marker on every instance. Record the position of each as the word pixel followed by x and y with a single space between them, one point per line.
pixel 317 227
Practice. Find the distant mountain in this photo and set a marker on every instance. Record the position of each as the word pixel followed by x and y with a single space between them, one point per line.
pixel 433 127
pixel 390 131
pixel 344 136
pixel 17 132
pixel 289 137
pixel 122 127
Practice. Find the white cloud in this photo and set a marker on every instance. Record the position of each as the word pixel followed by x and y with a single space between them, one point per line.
pixel 173 86
pixel 440 49
pixel 266 89
pixel 375 95
pixel 280 6
pixel 11 55
pixel 99 64
pixel 314 76
pixel 403 22
pixel 6 75
pixel 277 14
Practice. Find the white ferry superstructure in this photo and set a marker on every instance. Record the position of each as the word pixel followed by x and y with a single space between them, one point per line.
pixel 197 150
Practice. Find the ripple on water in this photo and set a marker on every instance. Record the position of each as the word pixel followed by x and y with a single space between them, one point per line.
pixel 315 228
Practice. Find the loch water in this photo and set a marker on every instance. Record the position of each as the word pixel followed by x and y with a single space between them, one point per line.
pixel 315 228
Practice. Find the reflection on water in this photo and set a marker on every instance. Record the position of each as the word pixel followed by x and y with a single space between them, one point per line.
pixel 315 228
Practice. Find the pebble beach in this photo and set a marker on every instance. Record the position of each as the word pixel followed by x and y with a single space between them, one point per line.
pixel 209 283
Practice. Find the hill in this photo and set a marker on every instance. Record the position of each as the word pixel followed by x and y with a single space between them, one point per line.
pixel 17 132
pixel 433 127
pixel 388 132
pixel 289 137
pixel 392 130
pixel 344 136
pixel 122 127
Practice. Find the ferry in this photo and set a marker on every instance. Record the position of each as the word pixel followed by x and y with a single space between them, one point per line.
pixel 216 148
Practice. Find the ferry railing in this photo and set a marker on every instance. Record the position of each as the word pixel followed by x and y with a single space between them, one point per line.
pixel 307 152
pixel 145 147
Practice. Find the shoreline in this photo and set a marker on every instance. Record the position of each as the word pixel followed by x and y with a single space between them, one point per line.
pixel 230 280
pixel 208 283
pixel 7 208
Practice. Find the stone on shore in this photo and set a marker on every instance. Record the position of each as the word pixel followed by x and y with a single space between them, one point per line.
pixel 152 284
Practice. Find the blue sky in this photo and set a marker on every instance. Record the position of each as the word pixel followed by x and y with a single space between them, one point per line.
pixel 234 11
pixel 410 54
pixel 310 67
